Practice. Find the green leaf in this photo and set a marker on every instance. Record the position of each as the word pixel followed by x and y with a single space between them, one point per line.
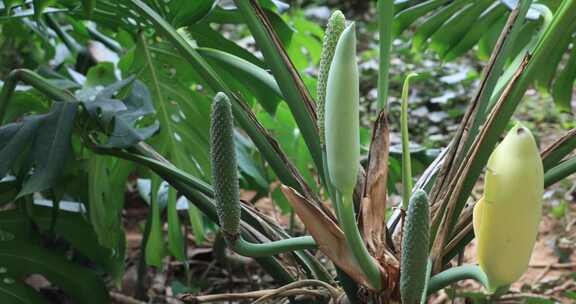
pixel 548 71
pixel 23 103
pixel 457 26
pixel 562 88
pixel 189 12
pixel 488 40
pixel 51 148
pixel 284 128
pixel 14 291
pixel 71 226
pixel 434 22
pixel 288 78
pixel 22 258
pixel 476 31
pixel 258 82
pixel 175 236
pixel 101 74
pixel 406 17
pixel 107 185
pixel 88 6
pixel 39 7
pixel 247 163
pixel 14 139
pixel 206 37
pixel 125 118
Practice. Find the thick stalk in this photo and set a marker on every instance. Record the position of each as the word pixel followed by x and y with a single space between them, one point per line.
pixel 246 248
pixel 354 239
pixel 455 274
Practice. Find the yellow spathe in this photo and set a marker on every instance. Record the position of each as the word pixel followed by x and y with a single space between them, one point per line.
pixel 506 219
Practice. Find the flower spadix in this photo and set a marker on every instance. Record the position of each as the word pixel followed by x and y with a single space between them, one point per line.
pixel 341 116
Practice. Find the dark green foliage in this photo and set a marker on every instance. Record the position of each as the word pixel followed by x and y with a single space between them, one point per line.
pixel 224 166
pixel 23 251
pixel 41 142
pixel 122 118
pixel 415 244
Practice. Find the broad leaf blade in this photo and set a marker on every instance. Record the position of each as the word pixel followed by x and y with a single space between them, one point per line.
pixel 51 148
pixel 22 258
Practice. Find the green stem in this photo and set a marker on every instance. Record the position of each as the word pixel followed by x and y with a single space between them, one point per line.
pixel 385 19
pixel 240 246
pixel 105 40
pixel 560 171
pixel 350 228
pixel 245 248
pixel 31 78
pixel 70 43
pixel 406 162
pixel 456 274
pixel 158 166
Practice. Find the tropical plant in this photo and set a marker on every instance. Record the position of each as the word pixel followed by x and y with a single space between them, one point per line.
pixel 100 127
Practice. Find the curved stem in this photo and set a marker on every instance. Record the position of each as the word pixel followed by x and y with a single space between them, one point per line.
pixel 354 239
pixel 246 248
pixel 406 162
pixel 456 274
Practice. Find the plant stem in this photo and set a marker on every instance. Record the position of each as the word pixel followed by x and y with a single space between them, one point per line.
pixel 385 19
pixel 456 274
pixel 354 239
pixel 31 78
pixel 406 162
pixel 242 247
pixel 560 171
pixel 246 248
